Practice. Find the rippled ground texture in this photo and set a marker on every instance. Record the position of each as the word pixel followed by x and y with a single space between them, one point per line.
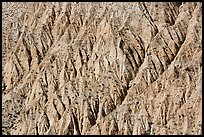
pixel 102 68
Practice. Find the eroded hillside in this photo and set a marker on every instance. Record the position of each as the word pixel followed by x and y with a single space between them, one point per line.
pixel 102 68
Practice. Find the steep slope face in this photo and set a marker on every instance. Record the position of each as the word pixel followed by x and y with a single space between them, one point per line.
pixel 102 68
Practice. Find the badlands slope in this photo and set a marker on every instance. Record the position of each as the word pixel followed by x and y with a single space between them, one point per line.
pixel 102 68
